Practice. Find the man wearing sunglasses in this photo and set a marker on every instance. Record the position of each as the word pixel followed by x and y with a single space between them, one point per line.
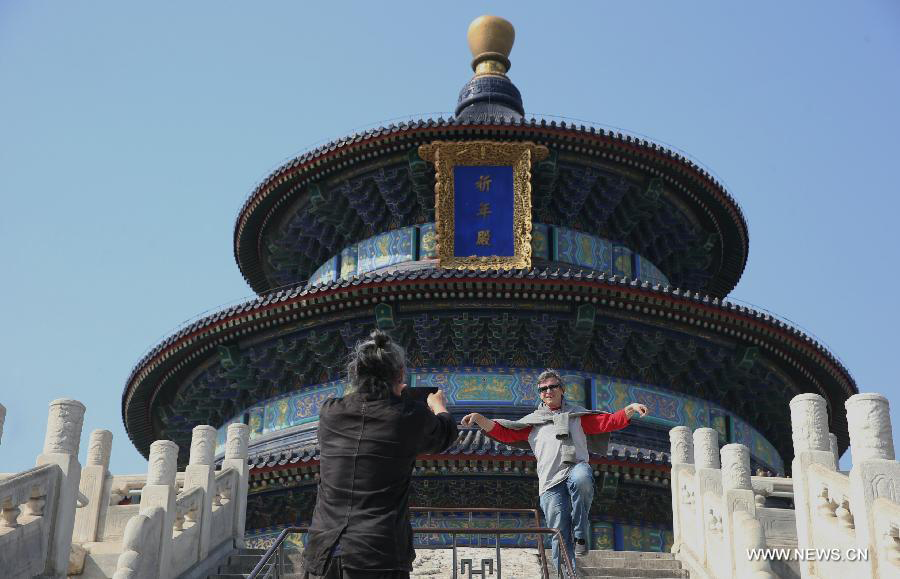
pixel 558 434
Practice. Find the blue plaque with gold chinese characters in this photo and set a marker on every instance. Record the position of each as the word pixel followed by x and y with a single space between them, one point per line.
pixel 483 202
pixel 483 211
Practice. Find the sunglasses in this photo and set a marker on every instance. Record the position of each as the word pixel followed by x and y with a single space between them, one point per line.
pixel 547 388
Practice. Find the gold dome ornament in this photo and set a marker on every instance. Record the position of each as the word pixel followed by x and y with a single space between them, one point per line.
pixel 491 40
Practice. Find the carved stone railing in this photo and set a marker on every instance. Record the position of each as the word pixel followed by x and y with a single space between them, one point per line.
pixel 58 519
pixel 37 506
pixel 771 486
pixel 208 513
pixel 842 526
pixel 856 513
pixel 716 508
pixel 186 533
pixel 25 528
pixel 887 535
pixel 227 487
pixel 141 545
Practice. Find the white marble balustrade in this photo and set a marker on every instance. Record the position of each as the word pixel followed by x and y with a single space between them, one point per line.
pixel 60 519
pixel 842 524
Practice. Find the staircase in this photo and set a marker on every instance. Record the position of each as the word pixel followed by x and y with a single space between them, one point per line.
pixel 630 564
pixel 241 563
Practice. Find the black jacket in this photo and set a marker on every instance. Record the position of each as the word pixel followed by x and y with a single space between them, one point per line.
pixel 368 449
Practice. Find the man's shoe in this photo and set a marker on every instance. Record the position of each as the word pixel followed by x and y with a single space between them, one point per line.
pixel 581 548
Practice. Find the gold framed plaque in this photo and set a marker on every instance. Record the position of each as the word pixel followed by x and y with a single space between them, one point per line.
pixel 482 201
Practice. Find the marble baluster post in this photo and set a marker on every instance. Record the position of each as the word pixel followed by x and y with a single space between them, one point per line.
pixel 160 492
pixel 833 444
pixel 708 481
pixel 201 472
pixel 875 472
pixel 737 497
pixel 682 453
pixel 95 486
pixel 751 535
pixel 61 442
pixel 809 431
pixel 2 420
pixel 237 439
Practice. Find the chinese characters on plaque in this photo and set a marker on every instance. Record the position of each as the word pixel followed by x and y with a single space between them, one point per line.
pixel 483 202
pixel 483 211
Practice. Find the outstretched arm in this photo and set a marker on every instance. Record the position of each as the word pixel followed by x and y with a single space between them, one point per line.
pixel 635 408
pixel 486 424
pixel 600 423
pixel 496 431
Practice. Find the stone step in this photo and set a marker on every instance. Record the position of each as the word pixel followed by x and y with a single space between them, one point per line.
pixel 629 563
pixel 588 571
pixel 246 563
pixel 228 570
pixel 583 574
pixel 242 560
pixel 609 554
pixel 245 575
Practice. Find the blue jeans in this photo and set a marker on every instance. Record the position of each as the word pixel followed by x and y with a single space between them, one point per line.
pixel 566 507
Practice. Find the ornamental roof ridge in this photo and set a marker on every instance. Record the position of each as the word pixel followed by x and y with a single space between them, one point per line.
pixel 469 442
pixel 531 122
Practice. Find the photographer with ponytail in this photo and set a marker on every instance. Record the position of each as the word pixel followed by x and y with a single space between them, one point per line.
pixel 368 443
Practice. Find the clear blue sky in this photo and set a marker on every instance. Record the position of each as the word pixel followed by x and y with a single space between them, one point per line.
pixel 131 133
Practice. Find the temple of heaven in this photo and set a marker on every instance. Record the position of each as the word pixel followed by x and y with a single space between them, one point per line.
pixel 492 246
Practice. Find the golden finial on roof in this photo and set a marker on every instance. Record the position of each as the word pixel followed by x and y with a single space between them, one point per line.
pixel 491 40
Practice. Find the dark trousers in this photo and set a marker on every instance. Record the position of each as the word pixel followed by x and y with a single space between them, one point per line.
pixel 336 570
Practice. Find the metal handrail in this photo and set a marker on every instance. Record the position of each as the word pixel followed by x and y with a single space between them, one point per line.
pixel 272 550
pixel 537 523
pixel 275 549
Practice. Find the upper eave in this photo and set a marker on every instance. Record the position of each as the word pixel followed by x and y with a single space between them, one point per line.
pixel 186 348
pixel 276 192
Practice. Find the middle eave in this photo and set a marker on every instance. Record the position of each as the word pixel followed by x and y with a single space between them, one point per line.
pixel 166 363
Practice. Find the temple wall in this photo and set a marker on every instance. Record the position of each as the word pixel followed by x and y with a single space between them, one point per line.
pixel 514 389
pixel 548 242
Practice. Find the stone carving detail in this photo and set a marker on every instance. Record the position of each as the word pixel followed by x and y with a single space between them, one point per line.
pixel 711 484
pixel 706 448
pixel 687 494
pixel 736 467
pixel 203 445
pixel 237 439
pixel 824 505
pixel 740 505
pixel 891 544
pixel 9 514
pixel 64 427
pixel 870 427
pixel 99 448
pixel 843 514
pixel 34 507
pixel 714 521
pixel 163 463
pixel 778 523
pixel 884 486
pixel 682 445
pixel 809 423
pixel 832 442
